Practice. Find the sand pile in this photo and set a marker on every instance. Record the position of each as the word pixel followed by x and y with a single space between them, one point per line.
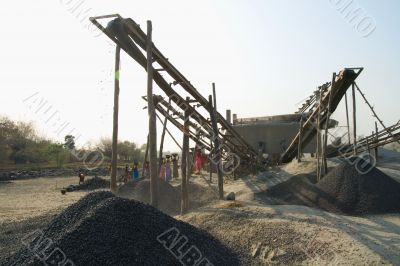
pixel 169 197
pixel 354 187
pixel 101 229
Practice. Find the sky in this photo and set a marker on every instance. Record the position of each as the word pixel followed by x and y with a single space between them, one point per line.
pixel 264 56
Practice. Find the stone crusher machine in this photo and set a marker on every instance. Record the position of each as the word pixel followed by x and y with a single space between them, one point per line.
pixel 130 37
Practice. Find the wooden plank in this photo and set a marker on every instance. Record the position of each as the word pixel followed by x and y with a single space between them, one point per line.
pixel 114 155
pixel 152 122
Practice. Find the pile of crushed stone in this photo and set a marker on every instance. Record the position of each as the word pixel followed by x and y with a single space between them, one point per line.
pixel 359 187
pixel 353 187
pixel 90 184
pixel 101 229
pixel 169 200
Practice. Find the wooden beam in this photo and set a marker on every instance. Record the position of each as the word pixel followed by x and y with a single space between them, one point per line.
pixel 146 155
pixel 328 115
pixel 169 133
pixel 152 121
pixel 376 139
pixel 185 163
pixel 114 155
pixel 347 118
pixel 373 110
pixel 217 148
pixel 353 91
pixel 160 159
pixel 299 147
pixel 318 152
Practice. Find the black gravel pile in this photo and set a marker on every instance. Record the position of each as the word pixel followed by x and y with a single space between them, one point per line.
pixel 94 183
pixel 101 229
pixel 361 188
pixel 169 197
pixel 354 187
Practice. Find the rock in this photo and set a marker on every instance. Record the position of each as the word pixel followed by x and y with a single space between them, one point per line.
pixel 231 196
pixel 255 249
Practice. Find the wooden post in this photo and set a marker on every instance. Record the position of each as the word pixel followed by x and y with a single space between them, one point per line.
pixel 353 91
pixel 146 154
pixel 152 121
pixel 299 147
pixel 160 159
pixel 184 163
pixel 210 158
pixel 347 118
pixel 217 148
pixel 328 115
pixel 318 152
pixel 325 137
pixel 376 139
pixel 114 155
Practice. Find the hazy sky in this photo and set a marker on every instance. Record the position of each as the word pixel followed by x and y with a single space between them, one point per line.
pixel 264 56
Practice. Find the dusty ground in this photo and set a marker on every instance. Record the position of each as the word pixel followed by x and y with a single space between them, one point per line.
pixel 28 198
pixel 263 235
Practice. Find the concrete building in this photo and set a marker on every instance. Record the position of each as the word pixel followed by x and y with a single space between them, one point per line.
pixel 272 134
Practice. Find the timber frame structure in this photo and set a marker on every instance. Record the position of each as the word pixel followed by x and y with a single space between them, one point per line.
pixel 128 35
pixel 207 127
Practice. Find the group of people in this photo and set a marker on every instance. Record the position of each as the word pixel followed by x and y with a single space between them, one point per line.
pixel 168 168
pixel 131 172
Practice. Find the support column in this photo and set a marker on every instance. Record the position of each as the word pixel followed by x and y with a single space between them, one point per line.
pixel 152 121
pixel 353 91
pixel 184 163
pixel 114 155
pixel 347 118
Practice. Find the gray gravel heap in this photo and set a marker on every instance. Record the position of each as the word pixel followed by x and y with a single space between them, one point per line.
pixel 102 229
pixel 357 190
pixel 353 187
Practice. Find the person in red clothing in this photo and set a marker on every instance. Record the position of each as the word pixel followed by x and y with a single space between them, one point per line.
pixel 199 160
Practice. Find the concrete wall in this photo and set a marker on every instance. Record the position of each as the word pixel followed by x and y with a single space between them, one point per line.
pixel 275 135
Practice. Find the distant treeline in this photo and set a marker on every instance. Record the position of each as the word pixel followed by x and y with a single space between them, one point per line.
pixel 20 144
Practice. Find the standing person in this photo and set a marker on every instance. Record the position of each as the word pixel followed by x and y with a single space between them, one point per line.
pixel 175 170
pixel 135 171
pixel 168 169
pixel 162 169
pixel 81 178
pixel 126 175
pixel 199 160
pixel 146 172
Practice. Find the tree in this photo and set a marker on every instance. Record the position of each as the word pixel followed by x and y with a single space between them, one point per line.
pixel 69 142
pixel 58 152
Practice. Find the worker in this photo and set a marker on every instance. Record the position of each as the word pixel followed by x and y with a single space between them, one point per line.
pixel 168 176
pixel 199 158
pixel 126 175
pixel 162 169
pixel 175 170
pixel 146 170
pixel 81 178
pixel 135 171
